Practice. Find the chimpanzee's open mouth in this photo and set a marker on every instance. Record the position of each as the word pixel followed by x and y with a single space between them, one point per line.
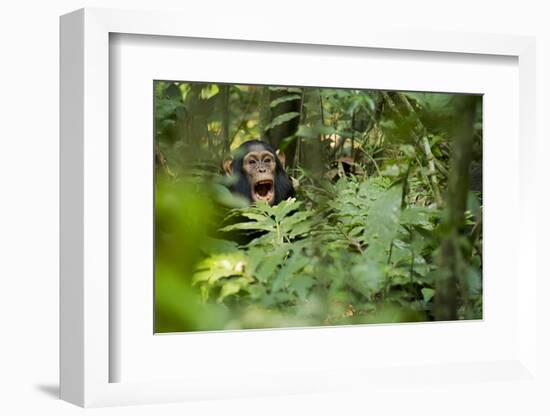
pixel 263 190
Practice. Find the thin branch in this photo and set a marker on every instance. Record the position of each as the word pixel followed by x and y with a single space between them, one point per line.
pixel 432 172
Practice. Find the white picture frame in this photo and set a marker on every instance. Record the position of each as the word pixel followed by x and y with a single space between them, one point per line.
pixel 85 213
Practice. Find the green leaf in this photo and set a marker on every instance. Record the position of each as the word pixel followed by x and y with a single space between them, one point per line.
pixel 284 99
pixel 228 289
pixel 473 205
pixel 419 216
pixel 249 226
pixel 292 266
pixel 284 208
pixel 287 89
pixel 408 150
pixel 283 118
pixel 269 264
pixel 373 188
pixel 219 266
pixel 209 91
pixel 257 217
pixel 382 224
pixel 315 131
pixel 301 284
pixel 472 281
pixel 290 224
pixel 226 198
pixel 431 101
pixel 427 293
pixel 218 246
pixel 368 278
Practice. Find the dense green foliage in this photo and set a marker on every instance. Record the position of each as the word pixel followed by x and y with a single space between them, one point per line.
pixel 385 226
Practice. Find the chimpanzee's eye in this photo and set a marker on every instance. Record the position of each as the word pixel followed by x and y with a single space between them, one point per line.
pixel 267 160
pixel 251 162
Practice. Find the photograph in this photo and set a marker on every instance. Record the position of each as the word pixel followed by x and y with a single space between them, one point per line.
pixel 297 206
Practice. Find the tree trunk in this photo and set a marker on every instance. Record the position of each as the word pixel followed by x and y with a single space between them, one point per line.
pixel 451 259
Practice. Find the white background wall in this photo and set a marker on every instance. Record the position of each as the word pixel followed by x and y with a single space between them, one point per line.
pixel 29 56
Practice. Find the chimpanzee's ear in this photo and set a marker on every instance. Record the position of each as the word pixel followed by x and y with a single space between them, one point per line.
pixel 281 157
pixel 228 167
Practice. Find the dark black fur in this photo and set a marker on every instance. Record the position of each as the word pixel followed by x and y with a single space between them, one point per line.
pixel 281 182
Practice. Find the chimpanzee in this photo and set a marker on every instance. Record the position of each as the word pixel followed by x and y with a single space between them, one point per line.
pixel 259 173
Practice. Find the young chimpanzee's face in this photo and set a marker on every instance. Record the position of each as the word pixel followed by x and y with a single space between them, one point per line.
pixel 259 166
pixel 258 173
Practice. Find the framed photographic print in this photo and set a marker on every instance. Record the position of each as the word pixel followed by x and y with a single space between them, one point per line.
pixel 280 206
pixel 241 216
